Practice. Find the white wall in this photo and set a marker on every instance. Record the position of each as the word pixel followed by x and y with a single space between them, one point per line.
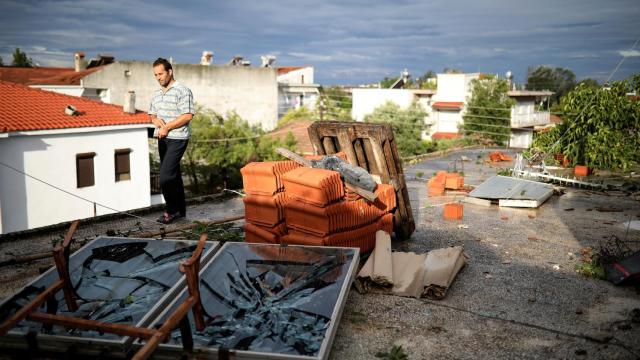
pixel 365 101
pixel 446 121
pixel 252 92
pixel 454 87
pixel 78 90
pixel 300 76
pixel 521 138
pixel 27 203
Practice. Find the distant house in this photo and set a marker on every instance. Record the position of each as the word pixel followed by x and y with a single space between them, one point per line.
pixel 449 104
pixel 296 88
pixel 61 80
pixel 251 92
pixel 91 149
pixel 526 116
pixel 366 100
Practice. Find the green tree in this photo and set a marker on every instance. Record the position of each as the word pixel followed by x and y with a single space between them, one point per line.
pixel 387 82
pixel 20 59
pixel 559 80
pixel 489 110
pixel 302 113
pixel 449 70
pixel 408 126
pixel 1 62
pixel 220 146
pixel 427 81
pixel 336 104
pixel 603 131
pixel 589 82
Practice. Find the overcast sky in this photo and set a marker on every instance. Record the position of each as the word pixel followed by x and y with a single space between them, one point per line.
pixel 347 41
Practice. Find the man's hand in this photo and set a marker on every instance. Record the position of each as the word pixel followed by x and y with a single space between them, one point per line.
pixel 159 123
pixel 163 131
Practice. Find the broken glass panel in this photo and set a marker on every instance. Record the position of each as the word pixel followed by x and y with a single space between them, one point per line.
pixel 270 299
pixel 117 280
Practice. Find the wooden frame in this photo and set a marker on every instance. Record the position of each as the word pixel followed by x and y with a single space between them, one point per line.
pixel 190 268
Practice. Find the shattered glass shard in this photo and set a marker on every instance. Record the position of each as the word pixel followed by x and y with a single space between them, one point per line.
pixel 268 298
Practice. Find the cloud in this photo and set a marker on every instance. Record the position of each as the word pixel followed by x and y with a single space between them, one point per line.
pixel 629 53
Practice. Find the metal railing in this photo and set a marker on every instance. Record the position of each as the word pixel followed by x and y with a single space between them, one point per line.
pixel 154 178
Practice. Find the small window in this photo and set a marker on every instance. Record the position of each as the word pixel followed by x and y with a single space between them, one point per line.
pixel 123 170
pixel 84 169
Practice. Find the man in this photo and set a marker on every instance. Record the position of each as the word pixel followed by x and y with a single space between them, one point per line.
pixel 170 111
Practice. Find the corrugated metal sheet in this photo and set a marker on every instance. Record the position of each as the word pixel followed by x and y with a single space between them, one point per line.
pixel 504 187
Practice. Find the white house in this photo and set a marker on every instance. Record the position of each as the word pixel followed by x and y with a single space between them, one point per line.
pixel 93 150
pixel 366 100
pixel 448 104
pixel 296 88
pixel 525 116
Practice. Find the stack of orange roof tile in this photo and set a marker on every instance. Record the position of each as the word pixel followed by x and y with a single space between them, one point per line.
pixel 265 199
pixel 309 206
pixel 497 156
pixel 436 184
pixel 443 180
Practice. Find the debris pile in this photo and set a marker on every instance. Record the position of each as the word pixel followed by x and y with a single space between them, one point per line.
pixel 410 274
pixel 311 206
pixel 442 181
pixel 498 156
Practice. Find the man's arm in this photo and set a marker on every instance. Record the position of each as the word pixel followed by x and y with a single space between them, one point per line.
pixel 157 122
pixel 174 124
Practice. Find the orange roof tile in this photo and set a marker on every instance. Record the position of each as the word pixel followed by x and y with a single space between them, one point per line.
pixel 300 133
pixel 25 75
pixel 287 69
pixel 447 105
pixel 445 135
pixel 67 78
pixel 23 109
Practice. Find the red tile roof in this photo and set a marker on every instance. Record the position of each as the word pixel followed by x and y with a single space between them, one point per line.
pixel 299 131
pixel 67 78
pixel 555 119
pixel 445 135
pixel 23 109
pixel 447 105
pixel 25 75
pixel 287 69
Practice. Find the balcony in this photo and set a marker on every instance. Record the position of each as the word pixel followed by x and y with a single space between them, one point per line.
pixel 531 119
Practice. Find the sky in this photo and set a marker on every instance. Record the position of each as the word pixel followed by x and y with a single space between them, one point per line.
pixel 347 41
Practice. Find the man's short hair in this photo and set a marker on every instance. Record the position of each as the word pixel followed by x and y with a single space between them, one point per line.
pixel 166 64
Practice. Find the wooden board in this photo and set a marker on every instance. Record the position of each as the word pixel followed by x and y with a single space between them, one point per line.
pixel 372 147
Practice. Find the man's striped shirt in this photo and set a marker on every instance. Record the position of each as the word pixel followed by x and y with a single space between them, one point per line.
pixel 167 106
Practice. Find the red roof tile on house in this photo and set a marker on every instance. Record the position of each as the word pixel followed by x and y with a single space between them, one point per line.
pixel 25 75
pixel 555 119
pixel 444 135
pixel 26 109
pixel 68 78
pixel 287 69
pixel 447 105
pixel 299 131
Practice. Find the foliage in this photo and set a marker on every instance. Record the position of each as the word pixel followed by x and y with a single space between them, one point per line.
pixel 559 80
pixel 589 82
pixel 20 59
pixel 603 133
pixel 408 126
pixel 1 61
pixel 396 353
pixel 302 113
pixel 387 82
pixel 489 110
pixel 426 81
pixel 220 146
pixel 336 104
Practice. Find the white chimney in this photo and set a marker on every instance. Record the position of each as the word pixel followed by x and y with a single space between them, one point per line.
pixel 267 60
pixel 206 58
pixel 129 105
pixel 78 57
